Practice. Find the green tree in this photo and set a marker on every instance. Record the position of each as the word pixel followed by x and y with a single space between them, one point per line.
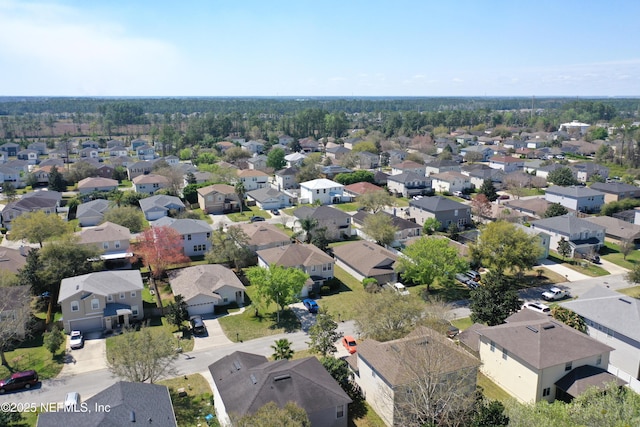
pixel 277 284
pixel 431 225
pixel 429 260
pixel 386 316
pixel 308 173
pixel 380 228
pixel 120 173
pixel 56 180
pixel 564 248
pixel 126 216
pixel 568 317
pixel 282 350
pixel 37 227
pixel 271 415
pixel 307 225
pixel 53 340
pixel 319 238
pixel 626 247
pixel 145 355
pixel 502 245
pixel 177 312
pixel 493 302
pixel 354 177
pixel 339 370
pixel 489 190
pixel 9 191
pixel 555 209
pixel 562 176
pixel 489 414
pixel 240 192
pixel 453 231
pixel 275 159
pixel 375 201
pixel 324 334
pixel 229 246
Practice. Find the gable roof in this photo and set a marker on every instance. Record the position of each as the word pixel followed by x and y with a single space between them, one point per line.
pixel 437 204
pixel 573 191
pixel 580 379
pixel 150 179
pixel 36 200
pixel 408 177
pixel 105 232
pixel 246 382
pixel 616 227
pixel 160 200
pixel 251 172
pixel 614 187
pixel 93 208
pixel 320 213
pixel 293 170
pixel 408 164
pixel 265 193
pixel 367 258
pixel 544 343
pixel 400 223
pixel 262 233
pixel 184 225
pixel 294 255
pixel 449 176
pixel 566 224
pixel 202 279
pixel 97 182
pixel 101 283
pixel 362 188
pixel 217 188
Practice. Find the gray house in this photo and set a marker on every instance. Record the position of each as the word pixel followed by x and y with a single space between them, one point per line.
pixel 91 213
pixel 195 233
pixel 408 184
pixel 445 210
pixel 156 207
pixel 583 236
pixel 577 198
pixel 244 382
pixel 268 198
pixel 337 222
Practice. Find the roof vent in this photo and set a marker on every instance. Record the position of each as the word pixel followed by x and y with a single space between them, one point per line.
pixel 254 380
pixel 132 416
pixel 548 326
pixel 237 365
pixel 282 377
pixel 624 300
pixel 531 328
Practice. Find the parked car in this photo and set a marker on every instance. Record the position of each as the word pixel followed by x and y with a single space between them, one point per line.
pixel 18 380
pixel 256 218
pixel 462 278
pixel 457 193
pixel 473 275
pixel 350 344
pixel 504 197
pixel 76 340
pixel 472 284
pixel 197 325
pixel 400 288
pixel 555 294
pixel 539 307
pixel 72 402
pixel 275 212
pixel 310 305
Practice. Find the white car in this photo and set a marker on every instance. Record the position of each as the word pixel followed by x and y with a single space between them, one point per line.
pixel 76 340
pixel 536 306
pixel 554 294
pixel 72 402
pixel 400 289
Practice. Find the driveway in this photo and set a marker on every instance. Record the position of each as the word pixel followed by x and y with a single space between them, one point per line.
pixel 306 319
pixel 91 357
pixel 215 336
pixel 612 268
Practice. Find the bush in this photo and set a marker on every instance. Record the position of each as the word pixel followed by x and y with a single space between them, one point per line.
pixel 369 280
pixel 372 287
pixel 325 290
pixel 334 284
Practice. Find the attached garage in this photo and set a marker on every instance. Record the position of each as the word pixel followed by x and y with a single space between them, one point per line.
pixel 201 304
pixel 86 325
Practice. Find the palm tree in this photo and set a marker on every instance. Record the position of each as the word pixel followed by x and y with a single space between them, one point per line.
pixel 282 350
pixel 240 191
pixel 307 225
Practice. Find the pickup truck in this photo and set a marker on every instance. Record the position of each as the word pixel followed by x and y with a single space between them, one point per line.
pixel 554 294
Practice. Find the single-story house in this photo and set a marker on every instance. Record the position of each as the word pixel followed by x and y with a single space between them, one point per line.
pixel 268 198
pixel 89 185
pixel 363 259
pixel 91 213
pixel 156 207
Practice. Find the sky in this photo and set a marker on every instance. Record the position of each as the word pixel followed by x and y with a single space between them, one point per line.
pixel 344 48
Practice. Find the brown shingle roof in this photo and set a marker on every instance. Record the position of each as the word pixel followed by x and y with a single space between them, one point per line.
pixel 366 258
pixel 261 234
pixel 295 255
pixel 203 279
pixel 106 232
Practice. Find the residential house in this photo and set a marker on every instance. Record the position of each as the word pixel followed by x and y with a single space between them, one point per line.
pixel 583 236
pixel 158 206
pixel 285 139
pixel 139 168
pixel 529 358
pixel 30 156
pixel 574 126
pixel 253 147
pixel 350 143
pixel 268 198
pixel 294 159
pixel 15 309
pixel 543 239
pixel 441 166
pixel 58 154
pixel 263 235
pixel 223 146
pixel 444 210
pixel 322 190
pixel 244 382
pixel 330 171
pixel 204 287
pixel 218 199
pixel 258 162
pixel 10 149
pixel 617 230
pixel 408 166
pixel 124 161
pixel 39 147
pixel 612 319
pixel 395 156
pixel 149 184
pixel 309 145
pixel 386 371
pixel 3 157
pixel 306 257
pixel 478 175
pixel 587 170
pixel 380 178
pixel 544 171
pixel 200 177
pixel 12 175
pixel 484 151
pixel 172 160
pixel 45 201
pixel 449 182
pixel 363 259
pixel 195 234
pixel 89 152
pixel 514 144
pixel 367 160
pixel 118 151
pixel 337 153
pixel 506 163
pixel 360 188
pixel 126 403
pixel 405 229
pixel 90 185
pixel 577 198
pixel 41 174
pixel 91 213
pixel 111 239
pixel 13 259
pixel 114 143
pixel 336 222
pixel 19 165
pixel 409 184
pixel 285 179
pixel 137 143
pixel 616 191
pixel 145 152
pixel 102 300
pixel 252 179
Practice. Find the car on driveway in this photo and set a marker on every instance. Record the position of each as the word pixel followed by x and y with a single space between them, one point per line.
pixel 275 212
pixel 197 325
pixel 537 306
pixel 76 340
pixel 555 294
pixel 350 344
pixel 400 288
pixel 310 305
pixel 256 218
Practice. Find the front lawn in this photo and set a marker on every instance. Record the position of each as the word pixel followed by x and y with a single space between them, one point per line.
pixel 347 207
pixel 368 419
pixel 632 292
pixel 611 252
pixel 247 213
pixel 581 266
pixel 32 355
pixel 462 323
pixel 191 409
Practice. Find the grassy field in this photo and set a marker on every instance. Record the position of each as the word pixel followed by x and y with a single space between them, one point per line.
pixel 367 419
pixel 462 323
pixel 611 252
pixel 583 266
pixel 347 207
pixel 191 409
pixel 491 390
pixel 632 292
pixel 32 355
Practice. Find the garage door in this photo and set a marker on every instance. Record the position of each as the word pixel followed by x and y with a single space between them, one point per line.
pixel 201 309
pixel 86 325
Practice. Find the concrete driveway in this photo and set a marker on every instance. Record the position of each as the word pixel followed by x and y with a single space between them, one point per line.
pixel 91 357
pixel 215 336
pixel 306 319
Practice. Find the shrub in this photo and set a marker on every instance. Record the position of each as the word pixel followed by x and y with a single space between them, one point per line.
pixel 325 290
pixel 369 280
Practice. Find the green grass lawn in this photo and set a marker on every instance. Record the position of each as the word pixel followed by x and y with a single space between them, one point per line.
pixel 462 323
pixel 366 419
pixel 125 183
pixel 524 192
pixel 248 212
pixel 581 266
pixel 202 215
pixel 632 292
pixel 191 409
pixel 289 232
pixel 32 355
pixel 491 390
pixel 401 202
pixel 611 252
pixel 347 207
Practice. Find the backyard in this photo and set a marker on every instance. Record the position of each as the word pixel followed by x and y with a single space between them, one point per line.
pixel 196 403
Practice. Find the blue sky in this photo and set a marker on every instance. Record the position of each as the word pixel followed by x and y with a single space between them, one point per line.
pixel 320 48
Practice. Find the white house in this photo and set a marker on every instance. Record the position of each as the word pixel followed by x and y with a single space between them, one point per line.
pixel 323 190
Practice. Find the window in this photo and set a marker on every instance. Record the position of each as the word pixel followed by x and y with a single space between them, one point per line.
pixel 493 346
pixel 109 297
pixel 95 304
pixel 75 306
pixel 313 268
pixel 505 353
pixel 133 294
pixel 455 213
pixel 105 245
pixel 208 235
pixel 188 236
pixel 599 360
pixel 117 244
pixel 567 366
pixel 121 295
pixel 546 392
pixel 340 411
pixel 134 310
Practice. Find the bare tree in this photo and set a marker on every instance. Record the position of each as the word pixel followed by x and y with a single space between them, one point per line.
pixel 15 313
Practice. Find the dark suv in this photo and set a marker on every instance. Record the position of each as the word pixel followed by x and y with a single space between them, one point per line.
pixel 19 380
pixel 197 325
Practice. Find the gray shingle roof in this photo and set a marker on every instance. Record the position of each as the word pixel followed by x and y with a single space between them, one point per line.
pixel 574 191
pixel 184 225
pixel 407 177
pixel 265 193
pixel 566 224
pixel 203 279
pixel 437 204
pixel 101 283
pixel 614 187
pixel 93 208
pixel 366 258
pixel 161 200
pixel 319 213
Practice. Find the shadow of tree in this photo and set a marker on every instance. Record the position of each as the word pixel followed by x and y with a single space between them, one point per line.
pixel 288 321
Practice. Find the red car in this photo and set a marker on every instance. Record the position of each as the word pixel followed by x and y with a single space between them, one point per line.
pixel 350 344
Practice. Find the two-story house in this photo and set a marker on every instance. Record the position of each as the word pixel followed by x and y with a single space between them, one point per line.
pixel 146 152
pixel 252 179
pixel 111 239
pixel 10 149
pixel 583 236
pixel 285 179
pixel 404 229
pixel 408 166
pixel 14 310
pixel 441 166
pixel 616 191
pixel 585 171
pixel 218 199
pixel 577 198
pixel 139 168
pixel 336 222
pixel 149 184
pixel 409 184
pixel 30 156
pixel 101 301
pixel 321 190
pixel 444 210
pixel 89 152
pixel 46 201
pixel 195 233
pixel 506 163
pixel 449 182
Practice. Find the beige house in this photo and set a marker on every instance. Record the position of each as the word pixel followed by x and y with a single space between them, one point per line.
pixel 103 300
pixel 89 185
pixel 14 309
pixel 204 287
pixel 112 239
pixel 263 235
pixel 218 199
pixel 527 358
pixel 387 371
pixel 149 184
pixel 336 222
pixel 363 259
pixel 448 182
pixel 252 179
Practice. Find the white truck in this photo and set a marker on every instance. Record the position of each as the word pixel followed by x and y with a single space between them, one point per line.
pixel 555 294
